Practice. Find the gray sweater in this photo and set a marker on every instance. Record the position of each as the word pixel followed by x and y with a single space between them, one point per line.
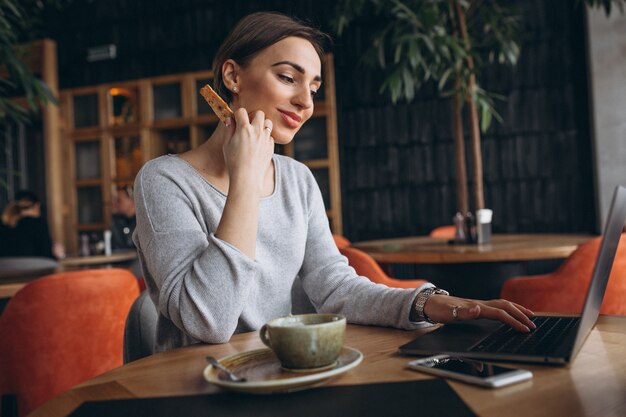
pixel 206 290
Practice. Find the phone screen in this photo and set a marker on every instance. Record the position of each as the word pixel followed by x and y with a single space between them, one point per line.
pixel 466 367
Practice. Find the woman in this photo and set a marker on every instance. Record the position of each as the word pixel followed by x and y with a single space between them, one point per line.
pixel 24 232
pixel 224 230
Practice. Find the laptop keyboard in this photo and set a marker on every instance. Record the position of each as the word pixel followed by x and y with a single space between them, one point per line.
pixel 549 332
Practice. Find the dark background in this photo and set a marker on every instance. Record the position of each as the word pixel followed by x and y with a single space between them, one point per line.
pixel 397 161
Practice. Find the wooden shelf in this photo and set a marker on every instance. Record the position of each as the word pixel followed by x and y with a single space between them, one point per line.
pixel 145 137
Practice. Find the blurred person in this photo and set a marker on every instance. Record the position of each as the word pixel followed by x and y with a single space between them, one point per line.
pixel 24 231
pixel 123 219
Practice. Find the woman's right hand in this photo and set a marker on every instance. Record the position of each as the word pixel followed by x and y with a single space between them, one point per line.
pixel 248 152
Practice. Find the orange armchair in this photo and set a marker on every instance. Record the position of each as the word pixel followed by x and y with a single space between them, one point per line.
pixel 366 266
pixel 443 231
pixel 564 290
pixel 62 329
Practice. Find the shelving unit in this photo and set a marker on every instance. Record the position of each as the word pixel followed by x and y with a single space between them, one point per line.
pixel 111 130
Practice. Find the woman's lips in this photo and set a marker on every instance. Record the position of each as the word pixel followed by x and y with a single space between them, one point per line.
pixel 291 119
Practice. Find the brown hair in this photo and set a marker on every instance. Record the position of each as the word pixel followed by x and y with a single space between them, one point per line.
pixel 256 32
pixel 12 213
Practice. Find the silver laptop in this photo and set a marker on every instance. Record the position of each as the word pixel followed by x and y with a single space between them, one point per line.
pixel 556 340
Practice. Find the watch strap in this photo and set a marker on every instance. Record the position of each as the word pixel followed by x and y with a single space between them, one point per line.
pixel 420 302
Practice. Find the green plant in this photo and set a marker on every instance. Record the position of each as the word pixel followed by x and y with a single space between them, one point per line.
pixel 20 21
pixel 447 42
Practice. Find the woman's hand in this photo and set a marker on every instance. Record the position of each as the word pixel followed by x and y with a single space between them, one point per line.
pixel 446 309
pixel 249 150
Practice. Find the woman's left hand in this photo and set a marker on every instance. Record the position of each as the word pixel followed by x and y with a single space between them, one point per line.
pixel 446 309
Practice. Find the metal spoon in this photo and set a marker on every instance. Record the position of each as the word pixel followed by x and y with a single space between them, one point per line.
pixel 224 369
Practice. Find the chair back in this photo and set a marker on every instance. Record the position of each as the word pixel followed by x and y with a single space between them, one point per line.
pixel 366 266
pixel 62 329
pixel 564 290
pixel 443 231
pixel 140 330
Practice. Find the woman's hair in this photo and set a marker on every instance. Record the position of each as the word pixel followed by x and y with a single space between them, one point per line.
pixel 13 211
pixel 256 32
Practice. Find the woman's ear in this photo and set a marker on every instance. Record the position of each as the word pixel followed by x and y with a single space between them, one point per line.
pixel 230 74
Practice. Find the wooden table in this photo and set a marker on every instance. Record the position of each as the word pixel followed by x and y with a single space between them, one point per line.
pixel 15 279
pixel 16 272
pixel 472 271
pixel 594 385
pixel 74 262
pixel 505 247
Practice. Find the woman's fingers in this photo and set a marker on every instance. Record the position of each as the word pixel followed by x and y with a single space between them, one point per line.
pixel 241 117
pixel 445 309
pixel 524 310
pixel 518 312
pixel 510 317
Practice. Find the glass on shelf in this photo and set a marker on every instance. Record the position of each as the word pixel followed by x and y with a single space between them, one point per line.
pixel 87 160
pixel 86 110
pixel 167 101
pixel 172 141
pixel 128 159
pixel 124 105
pixel 203 106
pixel 310 141
pixel 323 180
pixel 89 205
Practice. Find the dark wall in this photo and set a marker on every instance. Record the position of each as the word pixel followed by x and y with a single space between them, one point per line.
pixel 397 161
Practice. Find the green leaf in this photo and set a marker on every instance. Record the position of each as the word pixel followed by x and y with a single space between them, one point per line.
pixel 409 85
pixel 485 120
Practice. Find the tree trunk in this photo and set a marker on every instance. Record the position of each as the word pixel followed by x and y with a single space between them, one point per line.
pixel 459 155
pixel 477 161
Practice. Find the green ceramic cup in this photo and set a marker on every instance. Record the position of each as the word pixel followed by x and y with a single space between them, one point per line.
pixel 305 341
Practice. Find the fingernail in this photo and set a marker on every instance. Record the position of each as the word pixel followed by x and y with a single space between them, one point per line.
pixel 228 121
pixel 533 325
pixel 526 329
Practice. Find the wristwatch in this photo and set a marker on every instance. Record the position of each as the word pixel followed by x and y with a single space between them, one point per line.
pixel 421 299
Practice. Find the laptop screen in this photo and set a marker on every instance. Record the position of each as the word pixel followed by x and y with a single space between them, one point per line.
pixel 604 262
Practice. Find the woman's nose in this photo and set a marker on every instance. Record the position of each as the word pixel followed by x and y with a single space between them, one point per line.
pixel 303 98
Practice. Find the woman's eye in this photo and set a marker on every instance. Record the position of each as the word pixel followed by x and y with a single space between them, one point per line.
pixel 313 93
pixel 286 78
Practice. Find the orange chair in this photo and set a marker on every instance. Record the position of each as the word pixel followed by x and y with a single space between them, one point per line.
pixel 62 329
pixel 443 231
pixel 366 266
pixel 564 290
pixel 341 241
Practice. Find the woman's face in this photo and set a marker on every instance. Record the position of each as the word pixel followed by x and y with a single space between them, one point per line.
pixel 281 81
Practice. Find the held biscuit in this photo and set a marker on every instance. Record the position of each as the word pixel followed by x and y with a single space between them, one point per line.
pixel 218 105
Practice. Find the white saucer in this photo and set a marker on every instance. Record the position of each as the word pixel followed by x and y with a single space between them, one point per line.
pixel 264 374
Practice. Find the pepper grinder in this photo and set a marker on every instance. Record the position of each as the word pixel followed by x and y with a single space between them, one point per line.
pixel 84 245
pixel 459 224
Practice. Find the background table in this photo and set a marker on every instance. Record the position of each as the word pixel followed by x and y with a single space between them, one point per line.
pixel 505 247
pixel 475 271
pixel 98 260
pixel 16 272
pixel 594 385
